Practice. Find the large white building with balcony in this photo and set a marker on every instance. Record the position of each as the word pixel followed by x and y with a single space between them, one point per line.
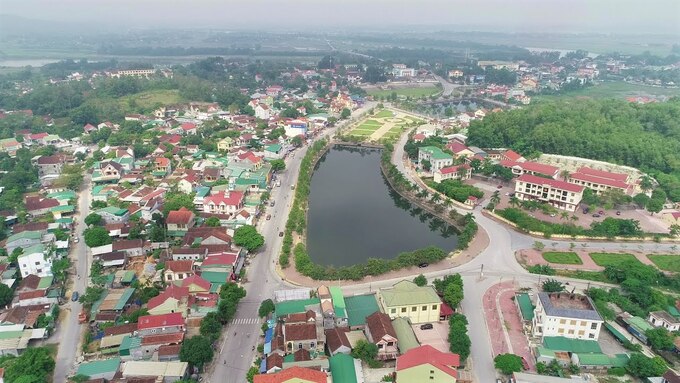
pixel 568 315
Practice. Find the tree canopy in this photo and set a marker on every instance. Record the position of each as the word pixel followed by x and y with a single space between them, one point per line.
pixel 642 136
pixel 508 363
pixel 196 350
pixel 97 236
pixel 248 237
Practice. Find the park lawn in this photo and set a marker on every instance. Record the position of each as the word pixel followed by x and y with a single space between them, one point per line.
pixel 368 127
pixel 413 119
pixel 406 92
pixel 150 99
pixel 359 132
pixel 562 257
pixel 667 262
pixel 384 113
pixel 372 122
pixel 612 259
pixel 614 89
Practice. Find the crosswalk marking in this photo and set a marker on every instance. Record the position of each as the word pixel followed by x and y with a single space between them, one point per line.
pixel 246 321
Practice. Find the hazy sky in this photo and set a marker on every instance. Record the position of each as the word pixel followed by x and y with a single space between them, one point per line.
pixel 620 16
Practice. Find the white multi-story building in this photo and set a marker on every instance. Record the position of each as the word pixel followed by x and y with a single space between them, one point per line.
pixel 559 194
pixel 437 158
pixel 36 261
pixel 568 315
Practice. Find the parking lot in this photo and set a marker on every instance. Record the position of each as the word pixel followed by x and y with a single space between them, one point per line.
pixel 437 337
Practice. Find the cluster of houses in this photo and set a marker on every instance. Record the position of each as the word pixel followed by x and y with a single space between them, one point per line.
pixel 311 336
pixel 566 327
pixel 534 181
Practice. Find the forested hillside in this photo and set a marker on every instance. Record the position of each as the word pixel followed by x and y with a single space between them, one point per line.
pixel 642 136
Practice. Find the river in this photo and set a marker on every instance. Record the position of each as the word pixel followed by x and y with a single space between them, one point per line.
pixel 355 215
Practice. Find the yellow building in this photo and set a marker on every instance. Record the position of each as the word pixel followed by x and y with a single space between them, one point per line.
pixel 427 364
pixel 225 144
pixel 406 299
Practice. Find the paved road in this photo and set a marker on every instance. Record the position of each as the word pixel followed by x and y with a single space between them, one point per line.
pixel 69 330
pixel 236 354
pixel 448 87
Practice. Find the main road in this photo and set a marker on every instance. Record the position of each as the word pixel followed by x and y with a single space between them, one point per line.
pixel 236 349
pixel 68 333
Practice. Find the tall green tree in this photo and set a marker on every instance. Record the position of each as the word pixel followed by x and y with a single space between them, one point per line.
pixel 197 351
pixel 248 237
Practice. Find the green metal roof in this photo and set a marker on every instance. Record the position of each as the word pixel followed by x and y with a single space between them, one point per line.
pixel 67 220
pixel 544 352
pixel 673 311
pixel 406 293
pixel 436 153
pixel 220 277
pixel 598 359
pixel 560 343
pixel 130 342
pixel 359 307
pixel 124 298
pixel 202 191
pixel 525 306
pixel 99 367
pixel 24 235
pixel 274 148
pixel 342 368
pixel 11 334
pixel 616 333
pixel 39 248
pixel 63 209
pixel 639 323
pixel 128 277
pixel 98 303
pixel 45 282
pixel 66 194
pixel 338 302
pixel 296 306
pixel 113 210
pixel 407 339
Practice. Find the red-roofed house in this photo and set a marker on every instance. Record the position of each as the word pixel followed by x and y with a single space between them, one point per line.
pixel 672 217
pixel 600 181
pixel 36 206
pixel 89 128
pixel 427 364
pixel 229 202
pixel 189 128
pixel 160 324
pixel 559 194
pixel 459 149
pixel 379 331
pixel 528 167
pixel 456 172
pixel 180 220
pixel 178 270
pixel 293 374
pixel 511 155
pixel 173 300
pixel 419 137
pixel 196 284
pixel 162 164
pixel 220 262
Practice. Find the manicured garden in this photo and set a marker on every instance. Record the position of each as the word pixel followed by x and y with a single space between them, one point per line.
pixel 612 259
pixel 666 262
pixel 384 113
pixel 416 92
pixel 564 258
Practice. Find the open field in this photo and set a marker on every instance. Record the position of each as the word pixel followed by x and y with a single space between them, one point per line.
pixel 612 259
pixel 384 113
pixel 564 258
pixel 150 99
pixel 406 92
pixel 618 90
pixel 666 262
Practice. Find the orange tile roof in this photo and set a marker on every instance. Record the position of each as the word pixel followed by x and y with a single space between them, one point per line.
pixel 283 376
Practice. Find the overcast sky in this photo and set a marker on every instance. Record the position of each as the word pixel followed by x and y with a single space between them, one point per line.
pixel 617 16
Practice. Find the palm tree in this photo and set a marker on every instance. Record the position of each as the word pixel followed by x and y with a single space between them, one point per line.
pixel 448 203
pixel 436 198
pixel 564 215
pixel 495 198
pixel 574 217
pixel 514 201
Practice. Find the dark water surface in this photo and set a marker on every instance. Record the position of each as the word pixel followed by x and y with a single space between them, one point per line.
pixel 354 214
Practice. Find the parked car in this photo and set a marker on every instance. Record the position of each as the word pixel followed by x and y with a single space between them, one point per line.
pixel 423 265
pixel 618 212
pixel 586 210
pixel 525 364
pixel 601 212
pixel 74 296
pixel 500 187
pixel 280 234
pixel 76 240
pixel 272 203
pixel 596 215
pixel 426 326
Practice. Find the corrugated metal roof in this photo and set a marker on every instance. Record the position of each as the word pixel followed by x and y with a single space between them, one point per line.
pixel 407 339
pixel 99 367
pixel 525 306
pixel 342 369
pixel 295 306
pixel 359 307
pixel 560 343
pixel 406 293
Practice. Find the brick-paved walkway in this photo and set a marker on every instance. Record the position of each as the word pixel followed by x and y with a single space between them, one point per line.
pixel 504 323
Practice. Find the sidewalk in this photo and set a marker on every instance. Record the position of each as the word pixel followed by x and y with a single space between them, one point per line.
pixel 504 324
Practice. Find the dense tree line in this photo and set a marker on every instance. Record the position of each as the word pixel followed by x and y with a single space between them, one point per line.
pixel 642 136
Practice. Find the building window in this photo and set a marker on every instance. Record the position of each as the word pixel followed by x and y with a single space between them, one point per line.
pixel 560 331
pixel 414 308
pixel 572 322
pixel 591 336
pixel 563 321
pixel 403 309
pixel 393 311
pixel 584 323
pixel 390 344
pixel 300 346
pixel 581 332
pixel 424 308
pixel 593 326
pixel 434 307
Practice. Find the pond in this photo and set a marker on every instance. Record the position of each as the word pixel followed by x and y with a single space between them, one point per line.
pixel 355 215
